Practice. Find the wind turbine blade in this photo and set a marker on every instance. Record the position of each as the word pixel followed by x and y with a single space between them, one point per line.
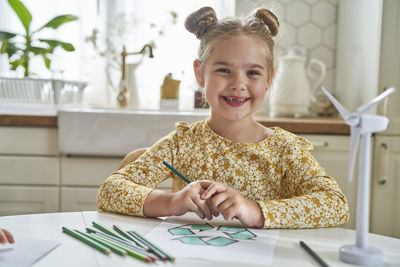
pixel 376 100
pixel 343 112
pixel 354 140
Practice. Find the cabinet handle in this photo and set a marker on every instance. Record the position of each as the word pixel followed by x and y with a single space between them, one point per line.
pixel 383 164
pixel 319 143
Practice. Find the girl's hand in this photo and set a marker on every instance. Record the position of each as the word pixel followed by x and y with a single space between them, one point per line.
pixel 6 237
pixel 188 199
pixel 230 203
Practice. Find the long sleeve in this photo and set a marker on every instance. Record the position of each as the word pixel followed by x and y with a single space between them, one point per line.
pixel 126 190
pixel 311 198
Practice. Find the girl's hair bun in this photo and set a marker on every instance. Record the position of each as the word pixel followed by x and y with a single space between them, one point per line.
pixel 269 19
pixel 199 21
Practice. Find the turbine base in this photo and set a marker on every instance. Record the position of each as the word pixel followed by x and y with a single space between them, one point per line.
pixel 368 256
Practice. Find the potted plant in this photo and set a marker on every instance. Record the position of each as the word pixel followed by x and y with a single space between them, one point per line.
pixel 21 47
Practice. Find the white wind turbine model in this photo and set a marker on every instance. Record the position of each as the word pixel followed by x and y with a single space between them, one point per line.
pixel 362 125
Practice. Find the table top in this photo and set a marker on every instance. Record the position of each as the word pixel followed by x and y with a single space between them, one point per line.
pixel 325 242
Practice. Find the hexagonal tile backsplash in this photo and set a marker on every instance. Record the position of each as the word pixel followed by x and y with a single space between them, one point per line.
pixel 310 23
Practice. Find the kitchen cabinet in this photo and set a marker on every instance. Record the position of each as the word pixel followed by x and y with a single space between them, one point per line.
pixel 81 178
pixel 368 62
pixel 36 178
pixel 386 187
pixel 332 153
pixel 29 164
pixel 386 169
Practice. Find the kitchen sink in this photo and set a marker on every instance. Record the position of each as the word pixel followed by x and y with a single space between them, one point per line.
pixel 106 131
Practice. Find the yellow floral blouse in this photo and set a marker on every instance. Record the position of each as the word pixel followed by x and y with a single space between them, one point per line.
pixel 280 173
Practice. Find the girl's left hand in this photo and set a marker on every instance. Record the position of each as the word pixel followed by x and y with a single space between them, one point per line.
pixel 230 203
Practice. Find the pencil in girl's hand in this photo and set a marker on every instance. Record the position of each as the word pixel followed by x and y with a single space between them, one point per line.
pixel 183 177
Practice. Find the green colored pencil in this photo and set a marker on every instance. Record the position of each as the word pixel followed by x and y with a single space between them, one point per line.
pixel 125 244
pixel 108 231
pixel 183 177
pixel 152 245
pixel 130 252
pixel 112 247
pixel 86 240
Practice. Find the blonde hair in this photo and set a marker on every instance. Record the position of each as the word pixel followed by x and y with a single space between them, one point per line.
pixel 262 23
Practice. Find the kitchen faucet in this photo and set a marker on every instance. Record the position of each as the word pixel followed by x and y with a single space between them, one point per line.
pixel 123 89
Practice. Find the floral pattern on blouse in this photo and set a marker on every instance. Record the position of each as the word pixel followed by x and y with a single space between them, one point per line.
pixel 280 173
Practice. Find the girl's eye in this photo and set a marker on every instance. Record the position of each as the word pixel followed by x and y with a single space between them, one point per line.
pixel 253 72
pixel 223 70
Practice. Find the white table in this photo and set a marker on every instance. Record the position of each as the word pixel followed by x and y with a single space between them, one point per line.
pixel 70 252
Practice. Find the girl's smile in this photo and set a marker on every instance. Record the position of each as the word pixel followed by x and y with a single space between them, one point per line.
pixel 235 101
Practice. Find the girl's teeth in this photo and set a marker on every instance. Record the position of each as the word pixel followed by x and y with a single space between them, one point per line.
pixel 236 100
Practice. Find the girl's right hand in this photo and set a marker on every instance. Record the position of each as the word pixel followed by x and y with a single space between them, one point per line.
pixel 6 237
pixel 188 199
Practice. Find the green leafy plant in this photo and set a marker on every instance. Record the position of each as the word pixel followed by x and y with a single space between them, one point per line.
pixel 20 52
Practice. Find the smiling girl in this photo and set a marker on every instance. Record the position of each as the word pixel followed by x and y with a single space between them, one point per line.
pixel 265 177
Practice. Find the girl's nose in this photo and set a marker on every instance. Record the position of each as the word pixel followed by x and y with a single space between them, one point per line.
pixel 238 82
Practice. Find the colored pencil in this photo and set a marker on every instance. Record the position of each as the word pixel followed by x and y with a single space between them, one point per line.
pixel 152 246
pixel 123 243
pixel 86 240
pixel 128 243
pixel 108 231
pixel 112 247
pixel 125 234
pixel 132 253
pixel 183 177
pixel 159 254
pixel 313 254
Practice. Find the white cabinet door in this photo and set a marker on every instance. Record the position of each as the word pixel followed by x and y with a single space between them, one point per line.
pixel 386 187
pixel 332 152
pixel 29 170
pixel 78 198
pixel 23 199
pixel 29 141
pixel 87 171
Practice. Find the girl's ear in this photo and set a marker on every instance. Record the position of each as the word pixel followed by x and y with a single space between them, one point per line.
pixel 270 77
pixel 199 72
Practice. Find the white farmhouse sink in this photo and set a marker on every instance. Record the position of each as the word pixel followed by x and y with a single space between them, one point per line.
pixel 114 131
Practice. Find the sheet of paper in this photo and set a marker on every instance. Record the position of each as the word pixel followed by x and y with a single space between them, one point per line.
pixel 26 251
pixel 190 237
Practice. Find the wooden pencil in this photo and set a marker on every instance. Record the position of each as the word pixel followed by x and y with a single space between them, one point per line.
pixel 86 240
pixel 112 247
pixel 108 231
pixel 132 253
pixel 124 243
pixel 183 177
pixel 152 246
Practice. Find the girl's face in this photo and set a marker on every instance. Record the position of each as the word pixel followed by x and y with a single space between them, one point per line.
pixel 235 78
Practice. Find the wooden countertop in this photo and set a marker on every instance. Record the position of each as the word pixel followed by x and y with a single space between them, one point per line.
pixel 317 125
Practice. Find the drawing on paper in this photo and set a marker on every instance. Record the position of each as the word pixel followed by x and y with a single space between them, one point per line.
pixel 207 235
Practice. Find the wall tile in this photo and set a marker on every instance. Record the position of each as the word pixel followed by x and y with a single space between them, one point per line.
pixel 309 35
pixel 323 14
pixel 309 23
pixel 324 54
pixel 297 13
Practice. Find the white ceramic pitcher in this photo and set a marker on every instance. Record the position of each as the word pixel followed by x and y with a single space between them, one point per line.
pixel 294 83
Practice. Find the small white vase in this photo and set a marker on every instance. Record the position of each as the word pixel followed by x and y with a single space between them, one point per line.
pixel 132 85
